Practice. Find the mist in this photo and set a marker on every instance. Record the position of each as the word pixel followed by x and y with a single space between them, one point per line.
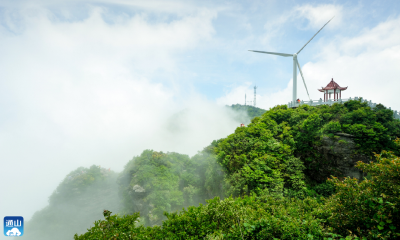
pixel 81 93
pixel 98 82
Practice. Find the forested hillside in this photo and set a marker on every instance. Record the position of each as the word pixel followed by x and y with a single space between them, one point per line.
pixel 251 111
pixel 151 183
pixel 275 172
pixel 267 180
pixel 75 204
pixel 157 182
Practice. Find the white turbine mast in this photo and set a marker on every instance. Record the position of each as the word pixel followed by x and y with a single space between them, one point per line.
pixel 295 63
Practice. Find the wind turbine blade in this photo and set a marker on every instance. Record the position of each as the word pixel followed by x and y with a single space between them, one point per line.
pixel 274 53
pixel 301 73
pixel 314 35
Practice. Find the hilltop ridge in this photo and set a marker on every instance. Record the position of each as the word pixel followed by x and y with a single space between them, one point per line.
pixel 278 163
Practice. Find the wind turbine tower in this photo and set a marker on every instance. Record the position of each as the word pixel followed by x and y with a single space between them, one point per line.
pixel 295 63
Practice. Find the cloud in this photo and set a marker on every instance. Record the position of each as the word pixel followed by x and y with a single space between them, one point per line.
pixel 367 63
pixel 101 85
pixel 303 17
pixel 236 95
pixel 317 16
pixel 87 91
pixel 264 101
pixel 191 129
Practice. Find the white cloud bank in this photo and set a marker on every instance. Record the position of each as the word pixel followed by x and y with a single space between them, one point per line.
pixel 82 92
pixel 368 63
pixel 89 92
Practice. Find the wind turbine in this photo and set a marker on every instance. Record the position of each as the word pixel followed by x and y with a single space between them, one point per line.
pixel 295 63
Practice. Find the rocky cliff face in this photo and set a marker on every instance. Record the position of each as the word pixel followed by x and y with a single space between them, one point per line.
pixel 339 152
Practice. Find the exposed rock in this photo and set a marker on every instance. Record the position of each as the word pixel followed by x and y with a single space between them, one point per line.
pixel 344 135
pixel 339 151
pixel 138 188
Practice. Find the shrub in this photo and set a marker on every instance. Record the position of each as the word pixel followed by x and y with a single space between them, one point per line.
pixel 75 204
pixel 259 158
pixel 325 189
pixel 157 182
pixel 369 208
pixel 240 218
pixel 113 227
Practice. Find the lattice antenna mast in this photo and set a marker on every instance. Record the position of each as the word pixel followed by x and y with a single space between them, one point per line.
pixel 255 88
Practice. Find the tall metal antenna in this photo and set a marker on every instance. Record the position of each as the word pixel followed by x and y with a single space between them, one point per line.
pixel 255 87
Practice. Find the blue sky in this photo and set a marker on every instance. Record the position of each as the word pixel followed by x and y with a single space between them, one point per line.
pixel 96 82
pixel 215 60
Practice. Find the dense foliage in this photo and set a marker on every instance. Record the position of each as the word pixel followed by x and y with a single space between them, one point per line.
pixel 251 111
pixel 259 158
pixel 155 182
pixel 264 181
pixel 369 208
pixel 239 218
pixel 359 210
pixel 75 204
pixel 282 133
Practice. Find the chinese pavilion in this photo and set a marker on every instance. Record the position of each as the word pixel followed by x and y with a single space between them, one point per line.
pixel 332 89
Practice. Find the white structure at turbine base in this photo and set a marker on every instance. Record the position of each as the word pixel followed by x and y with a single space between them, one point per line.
pixel 396 114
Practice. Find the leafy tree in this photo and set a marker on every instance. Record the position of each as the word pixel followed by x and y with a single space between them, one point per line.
pixel 113 227
pixel 239 218
pixel 373 130
pixel 157 182
pixel 262 167
pixel 369 208
pixel 211 173
pixel 260 158
pixel 75 204
pixel 251 111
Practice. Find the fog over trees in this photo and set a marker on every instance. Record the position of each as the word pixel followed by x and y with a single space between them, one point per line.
pixel 258 177
pixel 135 107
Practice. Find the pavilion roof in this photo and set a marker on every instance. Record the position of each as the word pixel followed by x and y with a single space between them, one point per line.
pixel 332 85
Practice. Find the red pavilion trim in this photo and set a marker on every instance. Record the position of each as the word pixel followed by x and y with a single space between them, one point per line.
pixel 332 89
pixel 332 85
